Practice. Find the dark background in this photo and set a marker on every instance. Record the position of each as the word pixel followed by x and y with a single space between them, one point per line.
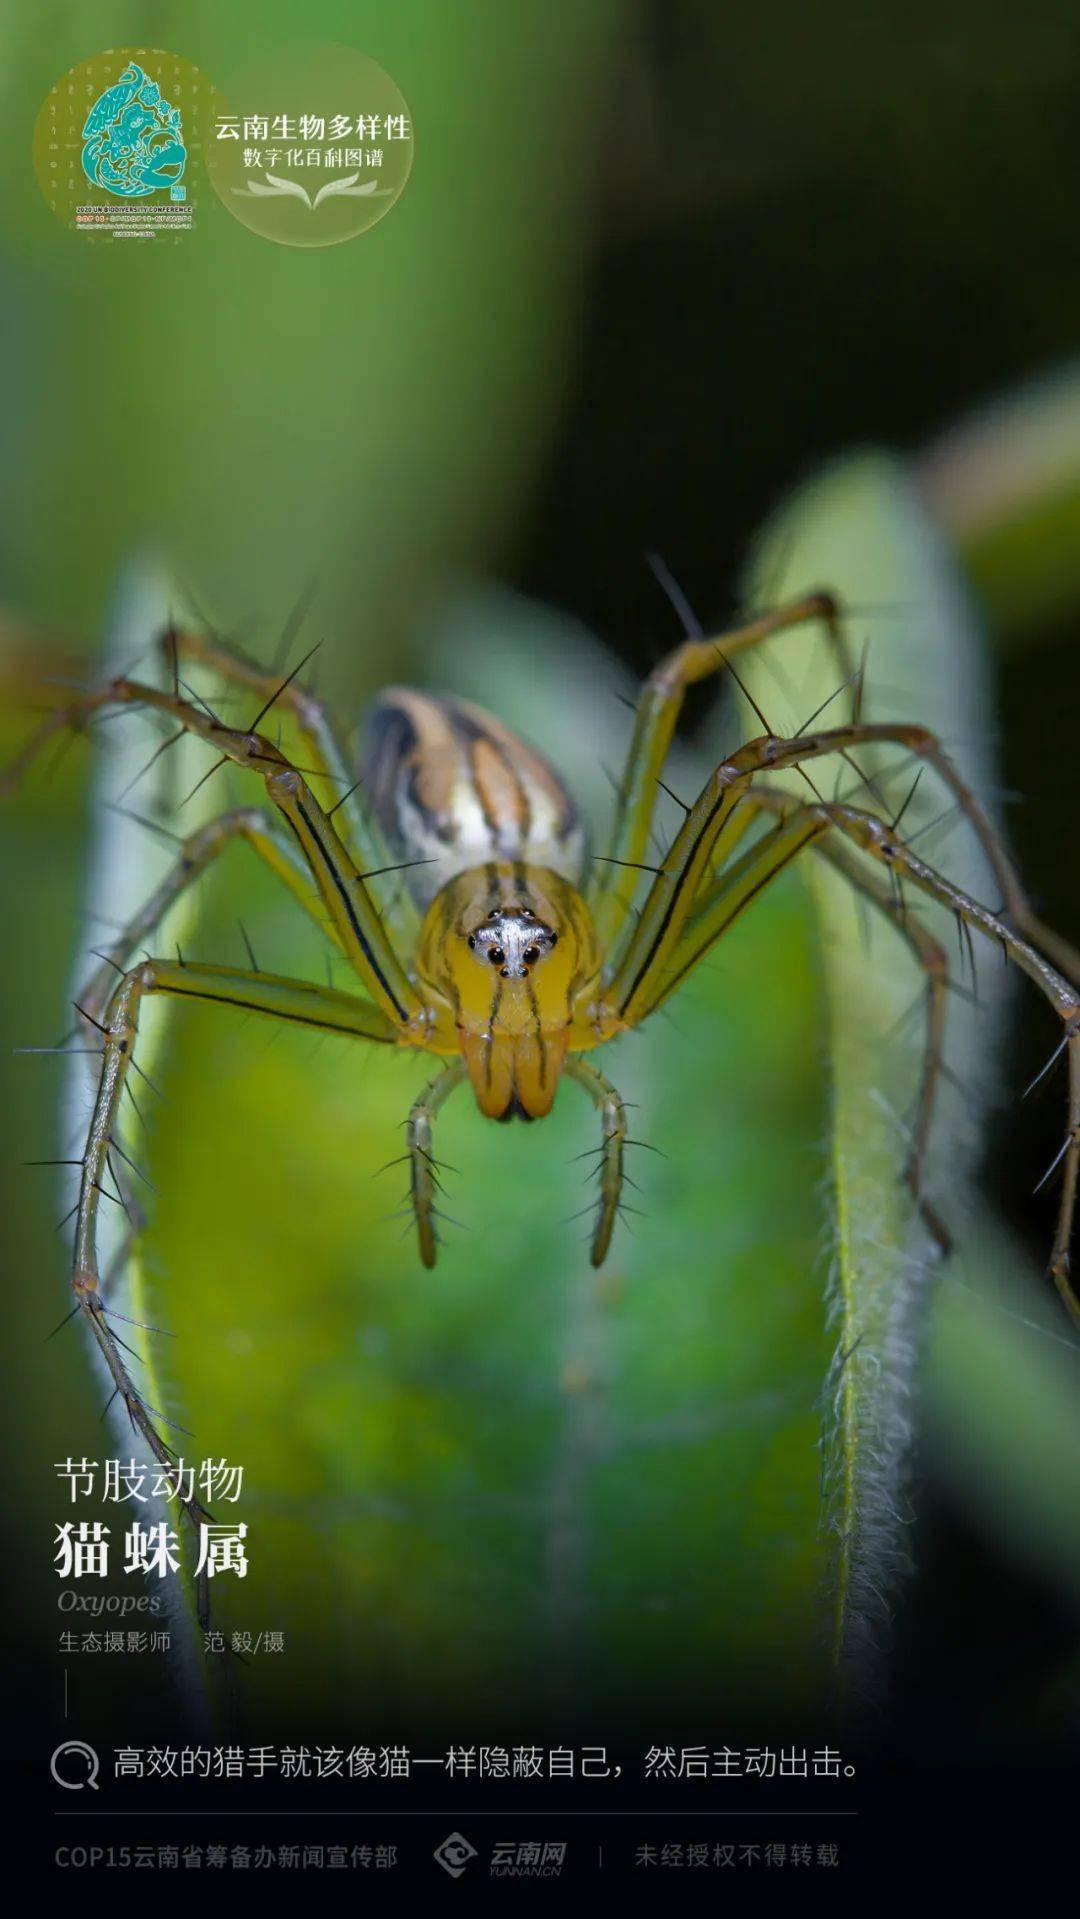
pixel 869 212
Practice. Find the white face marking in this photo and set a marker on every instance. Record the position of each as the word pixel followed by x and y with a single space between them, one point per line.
pixel 511 940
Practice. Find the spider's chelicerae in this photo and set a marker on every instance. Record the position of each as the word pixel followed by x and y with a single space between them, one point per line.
pixel 505 953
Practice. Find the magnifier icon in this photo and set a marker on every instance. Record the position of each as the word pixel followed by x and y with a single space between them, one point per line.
pixel 86 1761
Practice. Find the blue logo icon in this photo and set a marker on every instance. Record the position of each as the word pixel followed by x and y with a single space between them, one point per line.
pixel 133 142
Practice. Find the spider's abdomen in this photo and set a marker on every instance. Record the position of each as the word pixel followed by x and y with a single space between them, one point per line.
pixel 452 785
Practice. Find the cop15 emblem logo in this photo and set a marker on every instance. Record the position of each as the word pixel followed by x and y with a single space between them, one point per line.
pixel 115 141
pixel 133 139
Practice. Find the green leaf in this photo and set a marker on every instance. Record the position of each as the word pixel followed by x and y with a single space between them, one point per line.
pixel 862 531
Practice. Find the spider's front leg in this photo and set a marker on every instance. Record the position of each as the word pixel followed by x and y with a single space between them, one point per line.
pixel 680 921
pixel 195 854
pixel 393 1014
pixel 659 705
pixel 658 709
pixel 323 744
pixel 712 821
pixel 349 905
pixel 738 886
pixel 294 1001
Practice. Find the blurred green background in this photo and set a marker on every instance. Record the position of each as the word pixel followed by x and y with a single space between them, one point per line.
pixel 655 265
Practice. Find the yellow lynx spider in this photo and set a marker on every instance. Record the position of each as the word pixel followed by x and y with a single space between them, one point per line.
pixel 507 955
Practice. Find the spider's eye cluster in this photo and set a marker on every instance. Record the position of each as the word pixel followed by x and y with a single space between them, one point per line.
pixel 512 940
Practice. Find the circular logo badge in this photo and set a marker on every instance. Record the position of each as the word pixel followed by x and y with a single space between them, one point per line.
pixel 118 144
pixel 313 148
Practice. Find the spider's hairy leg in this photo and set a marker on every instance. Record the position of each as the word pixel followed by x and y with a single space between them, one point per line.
pixel 423 1171
pixel 659 705
pixel 195 854
pixel 689 935
pixel 613 1126
pixel 324 746
pixel 877 839
pixel 934 962
pixel 670 900
pixel 720 905
pixel 672 896
pixel 351 908
pixel 771 754
pixel 657 965
pixel 294 1001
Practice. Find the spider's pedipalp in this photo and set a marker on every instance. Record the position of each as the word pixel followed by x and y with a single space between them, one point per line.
pixel 424 1181
pixel 611 1171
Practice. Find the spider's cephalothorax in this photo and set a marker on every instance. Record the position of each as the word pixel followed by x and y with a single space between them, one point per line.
pixel 510 950
pixel 456 886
